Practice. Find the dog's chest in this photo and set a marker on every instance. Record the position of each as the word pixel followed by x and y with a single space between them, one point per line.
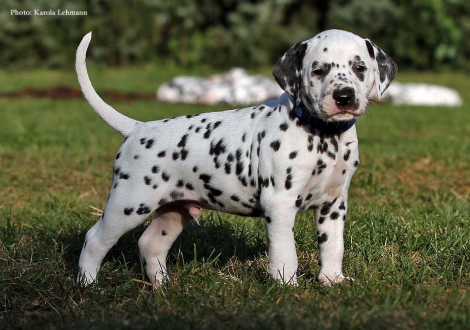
pixel 332 167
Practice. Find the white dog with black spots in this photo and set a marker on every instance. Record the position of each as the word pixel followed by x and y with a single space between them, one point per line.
pixel 285 156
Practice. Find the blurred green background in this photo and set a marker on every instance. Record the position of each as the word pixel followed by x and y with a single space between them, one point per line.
pixel 418 34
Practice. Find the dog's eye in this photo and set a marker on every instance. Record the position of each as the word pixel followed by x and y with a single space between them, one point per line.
pixel 360 68
pixel 318 72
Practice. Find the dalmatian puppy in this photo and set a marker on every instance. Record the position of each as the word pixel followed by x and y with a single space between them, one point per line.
pixel 273 160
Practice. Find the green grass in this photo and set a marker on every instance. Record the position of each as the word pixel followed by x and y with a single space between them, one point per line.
pixel 407 235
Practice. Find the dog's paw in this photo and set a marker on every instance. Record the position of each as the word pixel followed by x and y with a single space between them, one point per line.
pixel 334 279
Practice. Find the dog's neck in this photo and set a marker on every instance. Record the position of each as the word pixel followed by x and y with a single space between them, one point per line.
pixel 325 127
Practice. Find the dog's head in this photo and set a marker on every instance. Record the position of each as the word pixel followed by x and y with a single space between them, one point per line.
pixel 334 74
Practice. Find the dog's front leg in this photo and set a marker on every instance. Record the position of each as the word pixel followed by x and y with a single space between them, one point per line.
pixel 282 254
pixel 330 218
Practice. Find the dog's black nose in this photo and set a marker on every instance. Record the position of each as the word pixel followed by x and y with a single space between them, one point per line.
pixel 344 96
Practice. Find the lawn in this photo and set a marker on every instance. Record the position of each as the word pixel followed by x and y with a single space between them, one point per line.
pixel 407 237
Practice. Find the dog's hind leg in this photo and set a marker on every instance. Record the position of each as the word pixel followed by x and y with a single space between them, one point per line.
pixel 121 214
pixel 159 236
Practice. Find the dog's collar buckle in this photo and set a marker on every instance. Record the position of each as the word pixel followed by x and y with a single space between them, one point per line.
pixel 329 128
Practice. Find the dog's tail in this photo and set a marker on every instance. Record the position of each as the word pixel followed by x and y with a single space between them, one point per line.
pixel 122 124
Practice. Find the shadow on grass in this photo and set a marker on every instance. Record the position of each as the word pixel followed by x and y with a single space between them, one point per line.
pixel 213 240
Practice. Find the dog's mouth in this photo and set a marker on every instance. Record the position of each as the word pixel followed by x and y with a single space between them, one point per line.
pixel 343 115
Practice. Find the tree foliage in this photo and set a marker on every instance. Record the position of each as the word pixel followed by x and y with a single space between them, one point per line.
pixel 418 34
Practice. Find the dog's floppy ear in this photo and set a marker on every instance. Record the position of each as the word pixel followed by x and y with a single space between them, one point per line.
pixel 385 69
pixel 288 70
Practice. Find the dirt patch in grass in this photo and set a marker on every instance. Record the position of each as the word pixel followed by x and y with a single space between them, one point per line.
pixel 402 179
pixel 65 93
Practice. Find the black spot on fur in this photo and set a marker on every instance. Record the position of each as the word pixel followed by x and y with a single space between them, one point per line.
pixel 212 190
pixel 346 155
pixel 239 168
pixel 128 210
pixel 275 145
pixel 217 148
pixel 238 154
pixel 175 194
pixel 183 141
pixel 164 232
pixel 184 154
pixel 165 177
pixel 243 181
pixel 227 168
pixel 334 215
pixel 268 219
pixel 235 198
pixel 205 178
pixel 189 186
pixel 334 143
pixel 284 126
pixel 293 154
pixel 207 134
pixel 180 183
pixel 310 143
pixel 143 209
pixel 325 208
pixel 175 155
pixel 118 155
pixel 124 176
pixel 321 166
pixel 288 183
pixel 195 169
pixel 149 144
pixel 322 238
pixel 147 180
pixel 161 154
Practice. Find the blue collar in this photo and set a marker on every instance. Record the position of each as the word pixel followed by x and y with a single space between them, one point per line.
pixel 328 128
